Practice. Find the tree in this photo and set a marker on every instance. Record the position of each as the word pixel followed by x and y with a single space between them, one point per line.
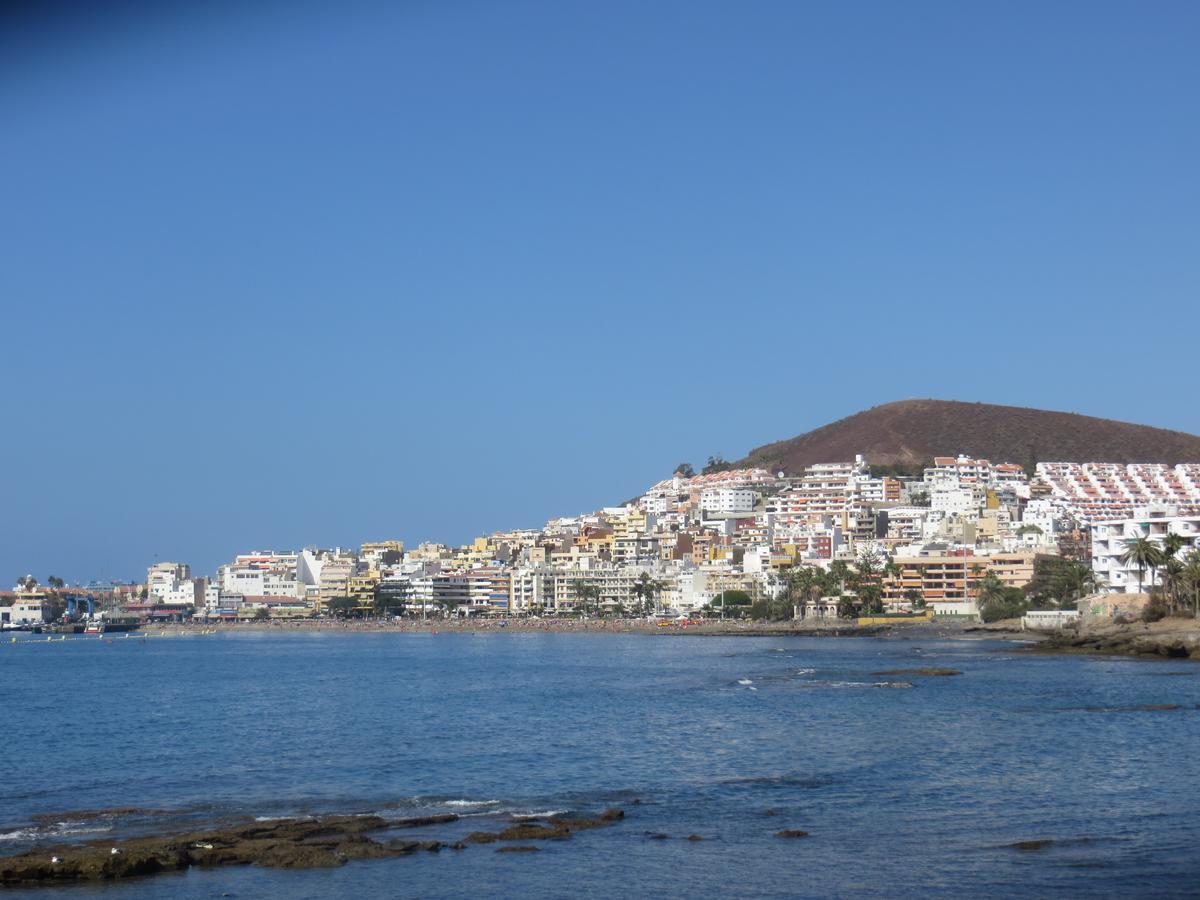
pixel 803 587
pixel 1172 580
pixel 1191 579
pixel 1172 544
pixel 1143 553
pixel 989 588
pixel 685 470
pixel 340 607
pixel 998 600
pixel 262 614
pixel 836 576
pixel 726 599
pixel 866 582
pixel 646 589
pixel 1057 582
pixel 716 463
pixel 56 583
pixel 384 602
pixel 55 607
pixel 915 598
pixel 586 595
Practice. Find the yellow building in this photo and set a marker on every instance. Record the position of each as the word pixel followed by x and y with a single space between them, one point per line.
pixel 374 551
pixel 954 579
pixel 361 589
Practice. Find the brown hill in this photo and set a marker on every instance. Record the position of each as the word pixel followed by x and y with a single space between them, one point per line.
pixel 909 433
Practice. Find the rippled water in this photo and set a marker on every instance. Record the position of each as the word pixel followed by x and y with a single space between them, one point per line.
pixel 908 785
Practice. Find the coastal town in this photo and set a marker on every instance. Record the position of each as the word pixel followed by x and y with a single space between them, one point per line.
pixel 965 538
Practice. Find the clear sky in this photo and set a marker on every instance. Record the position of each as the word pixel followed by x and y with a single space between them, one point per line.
pixel 280 274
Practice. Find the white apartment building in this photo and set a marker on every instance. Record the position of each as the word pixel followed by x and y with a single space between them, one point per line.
pixel 259 582
pixel 1106 492
pixel 957 499
pixel 728 501
pixel 164 577
pixel 554 587
pixel 183 593
pixel 907 523
pixel 1109 544
pixel 262 573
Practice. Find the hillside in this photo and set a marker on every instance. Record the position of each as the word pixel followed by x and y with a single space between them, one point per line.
pixel 909 433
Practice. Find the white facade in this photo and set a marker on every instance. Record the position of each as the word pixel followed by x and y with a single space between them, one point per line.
pixel 165 577
pixel 1110 542
pixel 1107 492
pixel 259 582
pixel 728 500
pixel 24 612
pixel 182 593
pixel 964 500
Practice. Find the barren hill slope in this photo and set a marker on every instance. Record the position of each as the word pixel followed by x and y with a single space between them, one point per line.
pixel 911 432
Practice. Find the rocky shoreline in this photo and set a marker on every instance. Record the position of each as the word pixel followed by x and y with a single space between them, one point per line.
pixel 1167 639
pixel 291 843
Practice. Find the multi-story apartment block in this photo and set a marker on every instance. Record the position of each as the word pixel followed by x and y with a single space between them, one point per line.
pixel 948 581
pixel 1110 541
pixel 556 588
pixel 728 501
pixel 1108 492
pixel 378 552
pixel 164 577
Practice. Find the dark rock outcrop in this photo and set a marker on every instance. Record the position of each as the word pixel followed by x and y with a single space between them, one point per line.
pixel 300 843
pixel 422 821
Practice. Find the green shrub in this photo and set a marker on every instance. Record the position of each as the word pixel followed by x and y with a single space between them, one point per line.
pixel 1154 610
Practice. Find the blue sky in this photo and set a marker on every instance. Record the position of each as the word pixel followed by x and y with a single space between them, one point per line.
pixel 314 273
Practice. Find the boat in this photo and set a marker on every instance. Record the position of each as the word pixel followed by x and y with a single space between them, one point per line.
pixel 112 624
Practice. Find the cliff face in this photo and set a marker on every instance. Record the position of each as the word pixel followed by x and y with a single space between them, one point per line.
pixel 911 432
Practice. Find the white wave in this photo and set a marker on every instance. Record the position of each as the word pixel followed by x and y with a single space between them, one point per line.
pixel 59 829
pixel 278 818
pixel 466 804
pixel 745 681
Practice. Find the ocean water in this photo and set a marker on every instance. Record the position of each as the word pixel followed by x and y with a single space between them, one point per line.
pixel 905 791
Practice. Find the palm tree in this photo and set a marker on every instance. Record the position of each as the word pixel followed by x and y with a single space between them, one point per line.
pixel 1145 554
pixel 1172 544
pixel 1078 579
pixel 1172 579
pixel 988 589
pixel 585 594
pixel 646 589
pixel 1191 578
pixel 803 583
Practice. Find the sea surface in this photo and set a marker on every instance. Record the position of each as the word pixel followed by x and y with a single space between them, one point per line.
pixel 914 790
